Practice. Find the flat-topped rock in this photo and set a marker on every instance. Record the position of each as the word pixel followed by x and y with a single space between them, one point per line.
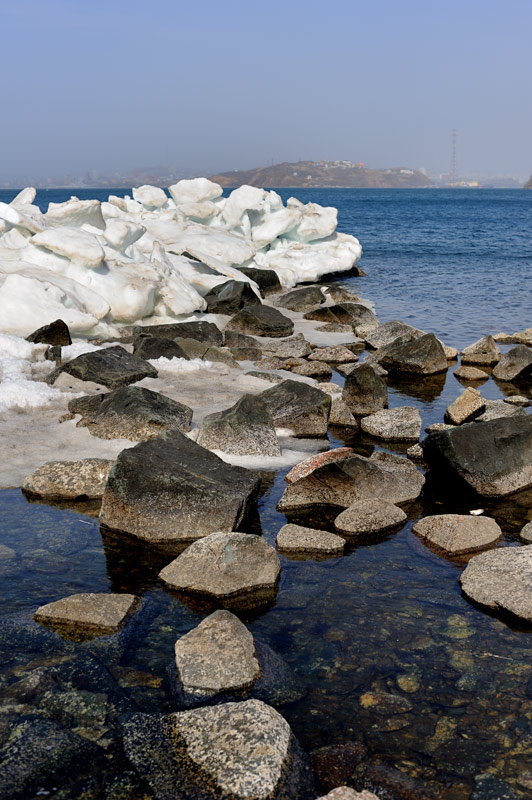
pixel 238 570
pixel 389 331
pixel 364 391
pixel 501 579
pixel 266 279
pixel 55 333
pixel 401 424
pixel 337 354
pixel 269 377
pixel 365 517
pixel 69 480
pixel 310 369
pixel 515 365
pixel 91 613
pixel 170 490
pixel 340 415
pixel 483 352
pixel 311 463
pixel 293 347
pixel 110 366
pixel 464 373
pixel 298 407
pixel 230 297
pixel 261 321
pixel 518 400
pixel 199 330
pixel 457 534
pixel 242 750
pixel 413 355
pixel 495 409
pixel 466 407
pixel 301 299
pixel 247 428
pixel 146 346
pixel 298 540
pixel 353 314
pixel 132 412
pixel 525 533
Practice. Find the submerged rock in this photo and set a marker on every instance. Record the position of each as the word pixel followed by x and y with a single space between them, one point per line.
pixel 296 539
pixel 501 579
pixel 401 424
pixel 110 366
pixel 464 373
pixel 466 407
pixel 457 534
pixel 230 297
pixel 301 408
pixel 55 334
pixel 515 365
pixel 261 321
pixel 364 391
pixel 369 516
pixel 415 355
pixel 247 428
pixel 92 613
pixel 69 480
pixel 483 352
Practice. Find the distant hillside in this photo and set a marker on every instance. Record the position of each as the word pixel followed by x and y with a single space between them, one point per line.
pixel 339 174
pixel 528 184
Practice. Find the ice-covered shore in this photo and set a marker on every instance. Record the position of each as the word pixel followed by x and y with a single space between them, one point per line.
pixel 153 258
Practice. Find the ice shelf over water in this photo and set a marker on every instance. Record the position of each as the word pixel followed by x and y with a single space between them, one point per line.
pixel 153 258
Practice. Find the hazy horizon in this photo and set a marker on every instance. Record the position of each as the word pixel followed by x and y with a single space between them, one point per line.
pixel 107 88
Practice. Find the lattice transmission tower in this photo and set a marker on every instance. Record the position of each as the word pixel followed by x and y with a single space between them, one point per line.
pixel 454 167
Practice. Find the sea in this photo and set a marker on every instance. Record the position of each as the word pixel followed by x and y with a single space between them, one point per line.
pixel 388 618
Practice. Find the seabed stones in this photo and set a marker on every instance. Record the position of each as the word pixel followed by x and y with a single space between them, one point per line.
pixel 501 579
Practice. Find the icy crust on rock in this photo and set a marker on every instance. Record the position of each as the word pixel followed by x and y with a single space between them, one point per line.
pixel 153 257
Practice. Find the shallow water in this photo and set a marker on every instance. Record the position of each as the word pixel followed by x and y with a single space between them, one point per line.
pixel 388 616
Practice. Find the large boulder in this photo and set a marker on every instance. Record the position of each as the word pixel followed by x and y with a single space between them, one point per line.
pixel 69 480
pixel 132 412
pixel 238 570
pixel 261 321
pixel 91 613
pixel 170 490
pixel 55 334
pixel 457 534
pixel 298 407
pixel 494 458
pixel 515 365
pixel 195 329
pixel 402 424
pixel 230 297
pixel 413 355
pixel 242 750
pixel 364 391
pixel 482 353
pixel 110 366
pixel 501 579
pixel 247 428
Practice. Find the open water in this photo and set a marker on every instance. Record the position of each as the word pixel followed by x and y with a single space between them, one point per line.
pixel 385 617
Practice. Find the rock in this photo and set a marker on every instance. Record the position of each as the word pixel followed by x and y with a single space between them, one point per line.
pixel 345 793
pixel 133 412
pixel 230 297
pixel 401 424
pixel 451 353
pixel 333 765
pixel 353 314
pixel 389 331
pixel 337 354
pixel 310 369
pixel 261 321
pixel 266 279
pixel 296 406
pixel 340 414
pixel 439 426
pixel 96 614
pixel 240 750
pixel 490 787
pixel 301 299
pixel 483 352
pixel 369 516
pixel 220 355
pixel 526 533
pixel 242 347
pixel 265 376
pixel 56 333
pixel 341 483
pixel 191 347
pixel 415 453
pixel 247 428
pixel 296 539
pixel 422 355
pixel 457 534
pixel 336 327
pixel 385 703
pixel 308 466
pixel 269 363
pixel 331 388
pixel 238 570
pixel 464 373
pixel 69 480
pixel 498 408
pixel 295 347
pixel 110 366
pixel 466 407
pixel 170 490
pixel 500 579
pixel 388 782
pixel 494 458
pixel 199 330
pixel 364 391
pixel 154 347
pixel 516 400
pixel 515 365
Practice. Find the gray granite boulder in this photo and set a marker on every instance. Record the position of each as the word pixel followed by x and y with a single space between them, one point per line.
pixel 413 355
pixel 457 534
pixel 310 369
pixel 238 570
pixel 301 299
pixel 494 458
pixel 482 353
pixel 230 297
pixel 296 406
pixel 69 480
pixel 336 354
pixel 501 579
pixel 55 333
pixel 298 540
pixel 196 329
pixel 247 428
pixel 389 331
pixel 466 407
pixel 110 366
pixel 370 516
pixel 515 365
pixel 293 347
pixel 146 346
pixel 261 321
pixel 402 424
pixel 97 614
pixel 242 750
pixel 364 391
pixel 169 490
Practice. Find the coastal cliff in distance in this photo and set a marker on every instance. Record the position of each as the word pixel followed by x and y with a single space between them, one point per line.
pixel 528 184
pixel 325 174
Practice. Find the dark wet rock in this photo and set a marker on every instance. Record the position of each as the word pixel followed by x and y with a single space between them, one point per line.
pixel 354 478
pixel 88 404
pixel 265 376
pixel 261 321
pixel 266 279
pixel 93 613
pixel 243 750
pixel 310 369
pixel 410 354
pixel 296 539
pixel 242 347
pixel 55 333
pixel 238 570
pixel 365 517
pixel 147 347
pixel 220 355
pixel 301 299
pixel 294 347
pixel 482 353
pixel 469 405
pixel 340 414
pixel 515 365
pixel 464 373
pixel 202 331
pixel 501 579
pixel 230 297
pixel 21 634
pixel 337 354
pixel 490 787
pixel 170 490
pixel 133 412
pixel 353 314
pixel 385 703
pixel 334 765
pixel 458 533
pixel 299 407
pixel 311 463
pixel 495 409
pixel 494 458
pixel 247 428
pixel 364 391
pixel 389 783
pixel 402 424
pixel 526 533
pixel 69 480
pixel 110 366
pixel 389 331
pixel 39 752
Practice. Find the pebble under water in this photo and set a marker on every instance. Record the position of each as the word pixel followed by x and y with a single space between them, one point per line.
pixel 386 617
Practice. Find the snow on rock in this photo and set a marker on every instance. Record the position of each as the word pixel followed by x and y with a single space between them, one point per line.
pixel 20 363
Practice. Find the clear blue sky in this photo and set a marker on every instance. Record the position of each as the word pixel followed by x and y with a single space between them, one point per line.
pixel 89 85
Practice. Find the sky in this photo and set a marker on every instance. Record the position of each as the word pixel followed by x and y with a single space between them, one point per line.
pixel 106 86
